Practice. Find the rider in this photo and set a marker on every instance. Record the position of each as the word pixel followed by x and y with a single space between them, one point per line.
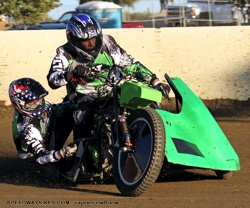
pixel 39 128
pixel 87 51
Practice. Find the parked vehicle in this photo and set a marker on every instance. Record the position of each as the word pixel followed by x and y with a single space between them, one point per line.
pixel 200 13
pixel 133 133
pixel 107 14
pixel 133 24
pixel 40 26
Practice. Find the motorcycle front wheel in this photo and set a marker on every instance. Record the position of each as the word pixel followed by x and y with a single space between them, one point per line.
pixel 134 172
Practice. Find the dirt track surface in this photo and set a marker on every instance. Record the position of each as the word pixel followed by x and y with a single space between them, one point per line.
pixel 28 186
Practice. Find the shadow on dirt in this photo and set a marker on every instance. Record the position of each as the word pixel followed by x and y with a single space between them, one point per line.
pixel 181 174
pixel 228 107
pixel 18 172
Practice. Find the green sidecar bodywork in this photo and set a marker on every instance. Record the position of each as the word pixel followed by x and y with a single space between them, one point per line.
pixel 193 137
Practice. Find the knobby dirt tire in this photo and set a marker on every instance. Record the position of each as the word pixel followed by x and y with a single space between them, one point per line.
pixel 134 173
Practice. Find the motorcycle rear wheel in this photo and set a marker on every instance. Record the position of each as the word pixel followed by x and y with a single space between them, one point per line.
pixel 134 172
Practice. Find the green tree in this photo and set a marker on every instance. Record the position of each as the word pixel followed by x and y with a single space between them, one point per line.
pixel 119 2
pixel 27 11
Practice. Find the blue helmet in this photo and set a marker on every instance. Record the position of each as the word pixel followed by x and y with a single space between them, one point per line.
pixel 82 27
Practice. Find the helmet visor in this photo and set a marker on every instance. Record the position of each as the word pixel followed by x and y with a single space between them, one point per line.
pixel 34 104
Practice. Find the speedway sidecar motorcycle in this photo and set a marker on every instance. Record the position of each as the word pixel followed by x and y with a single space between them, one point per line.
pixel 133 134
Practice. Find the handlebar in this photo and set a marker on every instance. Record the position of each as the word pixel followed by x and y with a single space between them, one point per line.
pixel 112 80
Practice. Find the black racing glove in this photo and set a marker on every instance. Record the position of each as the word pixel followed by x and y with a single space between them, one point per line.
pixel 164 88
pixel 81 71
pixel 158 85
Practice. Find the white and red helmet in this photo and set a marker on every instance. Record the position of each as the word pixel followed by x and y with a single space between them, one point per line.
pixel 27 97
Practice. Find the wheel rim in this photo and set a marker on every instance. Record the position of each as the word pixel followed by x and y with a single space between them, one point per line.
pixel 132 166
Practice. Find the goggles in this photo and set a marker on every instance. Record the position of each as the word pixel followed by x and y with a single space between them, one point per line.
pixel 34 104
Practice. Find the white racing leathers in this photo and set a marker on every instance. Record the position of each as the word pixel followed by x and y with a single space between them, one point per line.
pixel 33 137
